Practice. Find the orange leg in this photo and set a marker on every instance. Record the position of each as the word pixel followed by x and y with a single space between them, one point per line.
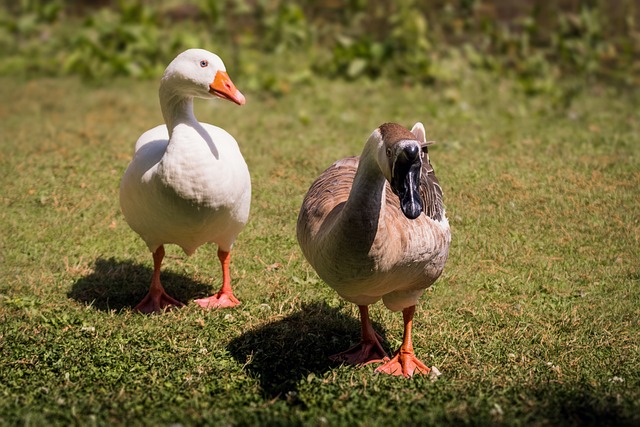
pixel 369 349
pixel 157 300
pixel 405 362
pixel 224 297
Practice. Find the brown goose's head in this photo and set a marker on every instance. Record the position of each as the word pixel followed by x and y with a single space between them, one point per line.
pixel 400 157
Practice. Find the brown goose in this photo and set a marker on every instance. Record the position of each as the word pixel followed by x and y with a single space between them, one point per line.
pixel 374 227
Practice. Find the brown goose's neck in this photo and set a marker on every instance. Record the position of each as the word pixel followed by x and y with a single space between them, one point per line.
pixel 358 222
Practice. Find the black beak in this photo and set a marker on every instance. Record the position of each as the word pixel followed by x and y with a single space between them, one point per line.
pixel 406 180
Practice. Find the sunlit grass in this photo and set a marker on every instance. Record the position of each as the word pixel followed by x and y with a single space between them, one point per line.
pixel 534 321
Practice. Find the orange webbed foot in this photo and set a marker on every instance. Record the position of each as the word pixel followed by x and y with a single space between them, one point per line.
pixel 219 300
pixel 405 364
pixel 363 353
pixel 157 303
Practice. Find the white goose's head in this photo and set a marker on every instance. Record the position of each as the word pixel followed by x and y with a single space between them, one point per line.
pixel 198 73
pixel 400 156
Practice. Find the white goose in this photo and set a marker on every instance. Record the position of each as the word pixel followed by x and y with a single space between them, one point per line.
pixel 188 183
pixel 369 244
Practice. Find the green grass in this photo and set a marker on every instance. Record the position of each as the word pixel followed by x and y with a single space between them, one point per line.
pixel 535 320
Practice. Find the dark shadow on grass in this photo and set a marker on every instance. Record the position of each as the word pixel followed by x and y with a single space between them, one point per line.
pixel 582 404
pixel 284 352
pixel 115 285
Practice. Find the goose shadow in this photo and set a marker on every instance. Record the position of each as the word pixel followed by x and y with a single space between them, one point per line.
pixel 283 352
pixel 115 285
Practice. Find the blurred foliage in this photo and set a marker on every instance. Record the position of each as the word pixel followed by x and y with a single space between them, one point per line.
pixel 109 43
pixel 425 41
pixel 404 50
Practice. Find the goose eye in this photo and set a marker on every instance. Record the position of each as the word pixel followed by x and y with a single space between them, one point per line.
pixel 388 152
pixel 204 63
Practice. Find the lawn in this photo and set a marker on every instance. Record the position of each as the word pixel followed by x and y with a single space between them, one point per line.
pixel 535 321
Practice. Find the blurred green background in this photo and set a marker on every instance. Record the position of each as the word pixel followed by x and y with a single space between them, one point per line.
pixel 276 44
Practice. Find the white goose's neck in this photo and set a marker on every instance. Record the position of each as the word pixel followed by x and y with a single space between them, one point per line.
pixel 176 108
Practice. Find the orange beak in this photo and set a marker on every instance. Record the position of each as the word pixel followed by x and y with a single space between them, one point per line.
pixel 224 88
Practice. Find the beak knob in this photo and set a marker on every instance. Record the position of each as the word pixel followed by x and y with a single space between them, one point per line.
pixel 411 152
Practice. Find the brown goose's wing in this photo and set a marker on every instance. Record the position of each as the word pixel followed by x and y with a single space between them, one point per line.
pixel 326 197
